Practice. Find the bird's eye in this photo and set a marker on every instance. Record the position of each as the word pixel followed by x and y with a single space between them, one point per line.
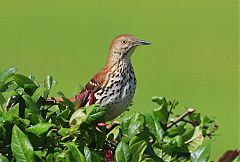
pixel 124 42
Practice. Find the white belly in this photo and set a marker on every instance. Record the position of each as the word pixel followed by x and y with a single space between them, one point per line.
pixel 118 94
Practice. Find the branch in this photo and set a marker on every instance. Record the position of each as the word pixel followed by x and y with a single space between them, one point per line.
pixel 181 117
pixel 59 99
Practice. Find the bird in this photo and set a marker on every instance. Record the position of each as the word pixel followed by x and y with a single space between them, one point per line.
pixel 113 87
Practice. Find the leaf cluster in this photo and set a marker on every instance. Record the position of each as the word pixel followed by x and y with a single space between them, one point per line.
pixel 32 128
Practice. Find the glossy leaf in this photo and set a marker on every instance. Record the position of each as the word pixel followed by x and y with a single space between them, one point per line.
pixel 123 153
pixel 92 156
pixel 59 133
pixel 154 127
pixel 137 150
pixel 159 100
pixel 49 82
pixel 33 111
pixel 161 113
pixel 30 88
pixel 202 153
pixel 21 80
pixel 149 160
pixel 29 103
pixel 40 129
pixel 21 147
pixel 196 140
pixel 4 75
pixel 95 113
pixel 2 99
pixel 132 125
pixel 174 131
pixel 162 156
pixel 87 154
pixel 74 153
pixel 39 92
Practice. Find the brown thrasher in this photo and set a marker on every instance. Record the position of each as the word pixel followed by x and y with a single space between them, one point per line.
pixel 113 87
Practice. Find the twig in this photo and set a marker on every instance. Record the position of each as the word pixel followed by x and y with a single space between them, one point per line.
pixel 170 111
pixel 180 118
pixel 59 99
pixel 193 123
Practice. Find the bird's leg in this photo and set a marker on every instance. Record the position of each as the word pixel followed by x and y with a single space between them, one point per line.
pixel 99 125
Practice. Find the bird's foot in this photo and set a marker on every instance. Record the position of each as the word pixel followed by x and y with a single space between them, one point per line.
pixel 100 125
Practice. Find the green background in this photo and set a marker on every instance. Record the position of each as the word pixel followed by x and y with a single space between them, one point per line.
pixel 193 56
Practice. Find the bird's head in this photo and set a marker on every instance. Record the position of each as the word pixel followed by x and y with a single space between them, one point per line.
pixel 122 48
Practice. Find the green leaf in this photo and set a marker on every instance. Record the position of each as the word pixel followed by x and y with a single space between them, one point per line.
pixel 74 154
pixel 33 78
pixel 202 153
pixel 62 118
pixel 3 158
pixel 30 104
pixel 49 82
pixel 154 127
pixel 137 150
pixel 95 114
pixel 2 99
pixel 30 88
pixel 196 140
pixel 173 131
pixel 21 147
pixel 148 160
pixel 12 95
pixel 173 142
pixel 21 80
pixel 159 100
pixel 26 83
pixel 132 125
pixel 237 159
pixel 39 92
pixel 123 153
pixel 92 155
pixel 4 75
pixel 40 155
pixel 11 115
pixel 33 111
pixel 40 129
pixel 87 154
pixel 64 131
pixel 162 156
pixel 161 113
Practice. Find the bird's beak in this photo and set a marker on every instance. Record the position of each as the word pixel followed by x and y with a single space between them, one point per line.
pixel 142 42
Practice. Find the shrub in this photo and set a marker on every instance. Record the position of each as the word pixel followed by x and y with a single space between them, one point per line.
pixel 34 128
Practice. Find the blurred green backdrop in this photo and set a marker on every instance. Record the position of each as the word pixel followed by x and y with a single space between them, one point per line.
pixel 193 56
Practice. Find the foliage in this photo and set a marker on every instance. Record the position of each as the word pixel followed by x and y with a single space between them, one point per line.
pixel 33 128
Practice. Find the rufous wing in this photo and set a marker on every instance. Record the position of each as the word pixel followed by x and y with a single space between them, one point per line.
pixel 87 94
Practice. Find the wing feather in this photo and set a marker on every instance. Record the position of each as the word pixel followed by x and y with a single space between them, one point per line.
pixel 94 85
